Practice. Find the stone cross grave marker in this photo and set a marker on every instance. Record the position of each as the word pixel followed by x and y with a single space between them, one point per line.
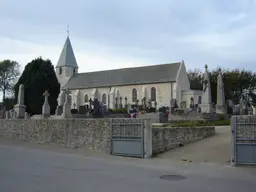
pixel 206 106
pixel 46 106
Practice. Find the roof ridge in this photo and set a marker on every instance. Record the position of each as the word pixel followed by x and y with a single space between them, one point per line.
pixel 154 65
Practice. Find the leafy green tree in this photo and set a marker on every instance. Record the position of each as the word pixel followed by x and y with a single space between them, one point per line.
pixel 195 78
pixel 237 82
pixel 38 76
pixel 9 73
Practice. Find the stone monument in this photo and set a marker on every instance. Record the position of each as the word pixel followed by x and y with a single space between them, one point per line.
pixel 206 106
pixel 67 105
pixel 20 108
pixel 46 107
pixel 241 106
pixel 97 110
pixel 220 106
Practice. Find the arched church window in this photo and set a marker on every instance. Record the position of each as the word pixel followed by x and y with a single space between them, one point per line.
pixel 104 98
pixel 86 98
pixel 153 94
pixel 134 95
pixel 60 70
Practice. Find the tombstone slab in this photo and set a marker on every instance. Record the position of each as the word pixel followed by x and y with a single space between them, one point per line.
pixel 20 108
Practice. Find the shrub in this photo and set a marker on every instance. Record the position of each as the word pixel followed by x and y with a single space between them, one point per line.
pixel 121 110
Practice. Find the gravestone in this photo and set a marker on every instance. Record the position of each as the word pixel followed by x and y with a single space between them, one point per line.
pixel 90 103
pixel 7 115
pixel 206 106
pixel 116 102
pixel 126 104
pixel 46 107
pixel 20 108
pixel 192 103
pixel 253 110
pixel 241 106
pixel 26 116
pixel 220 106
pixel 67 105
pixel 61 100
pixel 120 102
pixel 97 110
pixel 82 110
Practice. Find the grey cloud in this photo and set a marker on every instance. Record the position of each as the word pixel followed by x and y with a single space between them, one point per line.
pixel 158 30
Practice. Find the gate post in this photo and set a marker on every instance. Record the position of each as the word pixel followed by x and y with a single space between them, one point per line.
pixel 233 140
pixel 147 138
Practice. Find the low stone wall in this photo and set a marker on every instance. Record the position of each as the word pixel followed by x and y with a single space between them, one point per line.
pixel 90 133
pixel 164 139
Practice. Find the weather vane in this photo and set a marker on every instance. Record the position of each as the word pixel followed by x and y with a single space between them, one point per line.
pixel 68 30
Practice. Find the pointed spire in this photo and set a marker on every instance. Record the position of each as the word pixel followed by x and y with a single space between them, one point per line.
pixel 67 56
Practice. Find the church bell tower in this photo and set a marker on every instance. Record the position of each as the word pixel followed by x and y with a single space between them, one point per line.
pixel 67 65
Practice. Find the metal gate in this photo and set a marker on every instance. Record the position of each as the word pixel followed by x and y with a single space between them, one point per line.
pixel 244 140
pixel 127 137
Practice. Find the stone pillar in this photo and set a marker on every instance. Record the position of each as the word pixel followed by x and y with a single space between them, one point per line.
pixel 148 147
pixel 46 107
pixel 253 110
pixel 67 105
pixel 220 106
pixel 206 106
pixel 20 108
pixel 6 114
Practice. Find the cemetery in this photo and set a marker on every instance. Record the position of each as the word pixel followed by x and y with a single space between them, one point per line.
pixel 163 129
pixel 141 128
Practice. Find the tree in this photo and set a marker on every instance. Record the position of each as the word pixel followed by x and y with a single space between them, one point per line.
pixel 38 76
pixel 195 78
pixel 9 72
pixel 236 83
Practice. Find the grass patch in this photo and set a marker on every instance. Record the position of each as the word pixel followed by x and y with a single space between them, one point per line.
pixel 195 124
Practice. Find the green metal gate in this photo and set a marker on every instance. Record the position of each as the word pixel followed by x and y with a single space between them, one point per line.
pixel 127 137
pixel 243 140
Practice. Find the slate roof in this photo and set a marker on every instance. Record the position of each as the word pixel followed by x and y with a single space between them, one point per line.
pixel 67 56
pixel 126 76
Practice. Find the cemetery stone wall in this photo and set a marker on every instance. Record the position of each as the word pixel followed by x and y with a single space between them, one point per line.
pixel 164 139
pixel 92 134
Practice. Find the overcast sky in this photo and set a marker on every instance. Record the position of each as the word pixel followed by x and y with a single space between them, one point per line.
pixel 107 34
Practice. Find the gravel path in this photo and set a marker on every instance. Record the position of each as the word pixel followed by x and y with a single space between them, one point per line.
pixel 216 149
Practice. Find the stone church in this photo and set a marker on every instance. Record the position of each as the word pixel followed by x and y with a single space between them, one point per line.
pixel 162 84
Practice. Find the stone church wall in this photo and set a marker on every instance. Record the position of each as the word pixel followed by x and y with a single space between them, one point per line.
pixel 93 134
pixel 163 93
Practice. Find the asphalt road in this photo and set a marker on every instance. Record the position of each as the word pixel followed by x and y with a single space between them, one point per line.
pixel 35 169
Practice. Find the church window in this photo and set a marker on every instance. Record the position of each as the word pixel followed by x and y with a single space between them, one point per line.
pixel 104 98
pixel 74 71
pixel 86 98
pixel 60 71
pixel 153 94
pixel 134 95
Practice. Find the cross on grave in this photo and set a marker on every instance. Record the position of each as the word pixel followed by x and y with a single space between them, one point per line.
pixel 46 94
pixel 46 106
pixel 90 102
